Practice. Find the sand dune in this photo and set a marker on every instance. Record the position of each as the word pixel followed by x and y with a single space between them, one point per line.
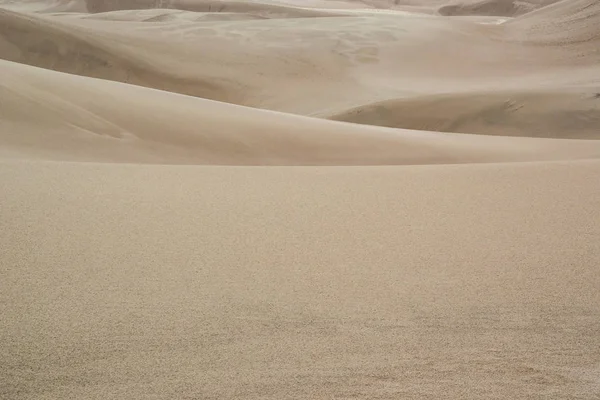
pixel 574 114
pixel 185 282
pixel 568 24
pixel 164 15
pixel 45 43
pixel 269 8
pixel 305 66
pixel 299 199
pixel 574 11
pixel 45 6
pixel 503 8
pixel 203 68
pixel 265 9
pixel 125 123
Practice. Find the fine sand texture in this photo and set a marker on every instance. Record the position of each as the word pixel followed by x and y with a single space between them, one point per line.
pixel 287 199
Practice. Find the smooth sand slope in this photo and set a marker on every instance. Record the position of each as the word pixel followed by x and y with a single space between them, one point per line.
pixel 318 66
pixel 56 116
pixel 572 26
pixel 417 282
pixel 278 64
pixel 184 218
pixel 561 114
pixel 504 8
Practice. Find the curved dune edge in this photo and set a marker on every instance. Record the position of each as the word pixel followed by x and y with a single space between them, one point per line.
pixel 46 6
pixel 125 123
pixel 225 70
pixel 500 8
pixel 572 114
pixel 257 8
pixel 164 15
pixel 572 10
pixel 266 9
pixel 573 25
pixel 324 73
pixel 45 43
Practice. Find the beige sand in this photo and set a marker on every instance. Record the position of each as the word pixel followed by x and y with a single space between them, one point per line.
pixel 562 114
pixel 505 8
pixel 288 199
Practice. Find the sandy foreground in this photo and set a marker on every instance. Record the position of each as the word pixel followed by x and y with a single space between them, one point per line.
pixel 291 199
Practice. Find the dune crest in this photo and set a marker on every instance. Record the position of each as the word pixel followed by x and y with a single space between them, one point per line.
pixel 501 8
pixel 564 114
pixel 106 128
pixel 42 42
pixel 572 25
pixel 264 9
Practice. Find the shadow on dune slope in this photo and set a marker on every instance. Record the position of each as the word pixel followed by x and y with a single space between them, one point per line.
pixel 255 8
pixel 84 119
pixel 501 8
pixel 563 114
pixel 49 44
pixel 571 25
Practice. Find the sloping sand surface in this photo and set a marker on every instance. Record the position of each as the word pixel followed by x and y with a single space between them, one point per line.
pixel 266 9
pixel 124 123
pixel 565 114
pixel 311 66
pixel 503 8
pixel 186 282
pixel 162 15
pixel 325 199
pixel 570 25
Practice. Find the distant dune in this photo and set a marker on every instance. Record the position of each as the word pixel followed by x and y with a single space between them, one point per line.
pixel 568 24
pixel 201 65
pixel 165 15
pixel 569 114
pixel 42 42
pixel 287 64
pixel 264 9
pixel 503 8
pixel 122 123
